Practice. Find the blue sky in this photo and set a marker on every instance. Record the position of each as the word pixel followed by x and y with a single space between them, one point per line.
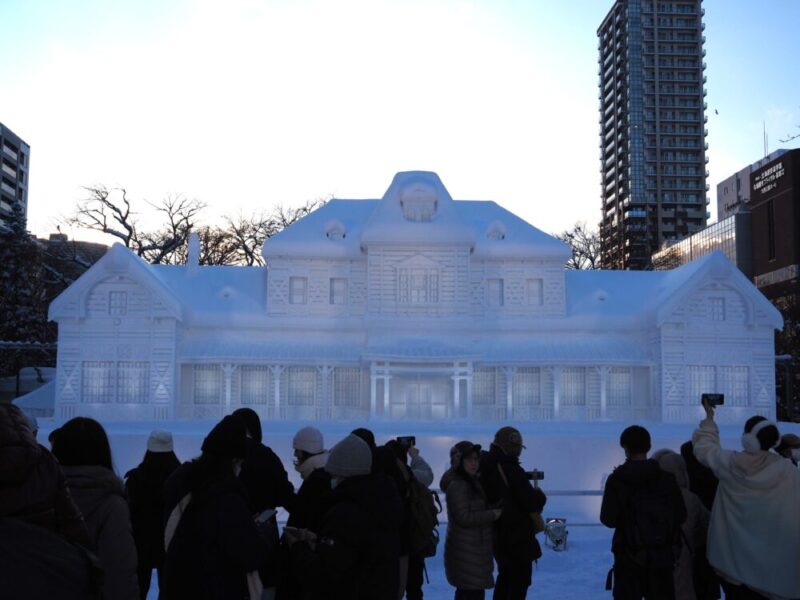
pixel 245 104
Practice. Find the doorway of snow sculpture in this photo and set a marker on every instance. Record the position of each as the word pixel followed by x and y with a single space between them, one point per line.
pixel 414 306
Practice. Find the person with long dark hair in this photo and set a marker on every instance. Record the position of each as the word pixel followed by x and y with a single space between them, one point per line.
pixel 81 446
pixel 468 562
pixel 145 487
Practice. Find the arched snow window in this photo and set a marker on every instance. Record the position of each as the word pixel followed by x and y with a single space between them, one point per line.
pixel 334 230
pixel 496 231
pixel 419 202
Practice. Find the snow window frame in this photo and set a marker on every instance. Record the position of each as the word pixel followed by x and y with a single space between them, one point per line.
pixel 734 382
pixel 700 379
pixel 97 381
pixel 527 390
pixel 255 385
pixel 301 386
pixel 534 289
pixel 347 387
pixel 338 291
pixel 298 290
pixel 207 379
pixel 417 285
pixel 495 292
pixel 484 386
pixel 573 386
pixel 133 382
pixel 717 309
pixel 117 303
pixel 619 387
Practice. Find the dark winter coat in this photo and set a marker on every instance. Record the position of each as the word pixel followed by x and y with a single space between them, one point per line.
pixel 620 487
pixel 215 544
pixel 358 549
pixel 702 480
pixel 32 486
pixel 100 496
pixel 145 488
pixel 391 461
pixel 515 537
pixel 265 481
pixel 309 504
pixel 468 561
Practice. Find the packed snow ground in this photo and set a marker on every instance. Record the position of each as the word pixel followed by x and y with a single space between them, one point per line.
pixel 576 459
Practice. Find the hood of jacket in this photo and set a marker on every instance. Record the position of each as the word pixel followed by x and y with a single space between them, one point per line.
pixel 447 478
pixel 90 485
pixel 757 470
pixel 672 462
pixel 311 464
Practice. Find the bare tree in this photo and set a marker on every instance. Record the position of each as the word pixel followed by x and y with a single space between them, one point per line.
pixel 109 211
pixel 585 245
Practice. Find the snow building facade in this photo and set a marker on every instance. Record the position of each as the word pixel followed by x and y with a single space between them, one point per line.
pixel 414 306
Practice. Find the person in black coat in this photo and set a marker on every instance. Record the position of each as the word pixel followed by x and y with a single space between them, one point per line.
pixel 356 554
pixel 507 486
pixel 307 507
pixel 213 547
pixel 642 569
pixel 145 488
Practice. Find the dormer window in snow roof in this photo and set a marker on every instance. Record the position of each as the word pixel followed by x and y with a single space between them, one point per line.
pixel 335 231
pixel 419 202
pixel 496 231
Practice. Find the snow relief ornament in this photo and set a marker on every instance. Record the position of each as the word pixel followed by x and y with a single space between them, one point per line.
pixel 555 532
pixel 419 202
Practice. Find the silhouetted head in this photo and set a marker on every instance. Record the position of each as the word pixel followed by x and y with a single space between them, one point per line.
pixel 81 441
pixel 635 440
pixel 251 421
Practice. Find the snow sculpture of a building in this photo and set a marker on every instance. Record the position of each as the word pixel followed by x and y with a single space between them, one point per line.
pixel 412 306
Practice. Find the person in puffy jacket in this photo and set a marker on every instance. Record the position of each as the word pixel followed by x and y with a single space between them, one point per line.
pixel 755 522
pixel 468 562
pixel 81 446
pixel 145 487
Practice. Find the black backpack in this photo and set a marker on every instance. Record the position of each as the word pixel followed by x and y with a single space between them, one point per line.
pixel 424 506
pixel 651 533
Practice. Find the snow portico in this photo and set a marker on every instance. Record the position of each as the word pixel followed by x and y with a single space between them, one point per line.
pixel 414 306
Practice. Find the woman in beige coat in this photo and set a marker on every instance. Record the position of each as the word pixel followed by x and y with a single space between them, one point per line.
pixel 468 546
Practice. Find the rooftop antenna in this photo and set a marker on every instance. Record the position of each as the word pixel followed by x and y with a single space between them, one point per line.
pixel 766 143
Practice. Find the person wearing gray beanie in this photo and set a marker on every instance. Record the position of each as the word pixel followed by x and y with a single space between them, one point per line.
pixel 349 458
pixel 359 553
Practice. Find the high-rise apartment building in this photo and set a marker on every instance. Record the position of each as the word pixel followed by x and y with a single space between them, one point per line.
pixel 652 128
pixel 14 162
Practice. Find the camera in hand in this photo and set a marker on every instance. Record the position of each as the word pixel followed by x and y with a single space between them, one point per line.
pixel 407 440
pixel 713 399
pixel 535 475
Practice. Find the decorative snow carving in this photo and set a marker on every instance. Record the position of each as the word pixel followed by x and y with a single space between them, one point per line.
pixel 496 231
pixel 419 202
pixel 335 231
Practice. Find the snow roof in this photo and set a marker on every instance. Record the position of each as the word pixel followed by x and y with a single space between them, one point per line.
pixel 415 209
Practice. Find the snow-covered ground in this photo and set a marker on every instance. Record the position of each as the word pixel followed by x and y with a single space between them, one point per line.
pixel 576 458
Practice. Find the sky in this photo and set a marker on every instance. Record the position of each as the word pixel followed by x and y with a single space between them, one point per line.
pixel 247 104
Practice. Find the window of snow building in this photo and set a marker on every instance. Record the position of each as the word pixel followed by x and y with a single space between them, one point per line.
pixel 535 292
pixel 573 386
pixel 207 384
pixel 701 380
pixel 297 290
pixel 527 388
pixel 495 290
pixel 619 386
pixel 97 381
pixel 716 309
pixel 117 303
pixel 255 384
pixel 302 386
pixel 338 291
pixel 735 384
pixel 133 382
pixel 418 286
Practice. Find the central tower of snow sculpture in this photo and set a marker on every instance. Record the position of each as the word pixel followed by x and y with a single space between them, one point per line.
pixel 414 306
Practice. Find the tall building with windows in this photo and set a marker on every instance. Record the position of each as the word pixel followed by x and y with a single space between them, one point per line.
pixel 14 161
pixel 652 128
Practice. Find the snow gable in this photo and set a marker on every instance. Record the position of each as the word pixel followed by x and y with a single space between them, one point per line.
pixel 714 293
pixel 120 284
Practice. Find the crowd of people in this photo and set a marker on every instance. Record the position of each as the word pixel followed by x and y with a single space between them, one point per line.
pixel 363 521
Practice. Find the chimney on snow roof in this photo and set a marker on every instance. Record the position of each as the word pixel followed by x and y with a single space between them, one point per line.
pixel 193 257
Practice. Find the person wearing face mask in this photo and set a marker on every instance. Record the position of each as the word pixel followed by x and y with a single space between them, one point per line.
pixel 356 554
pixel 755 522
pixel 213 549
pixel 468 562
pixel 789 448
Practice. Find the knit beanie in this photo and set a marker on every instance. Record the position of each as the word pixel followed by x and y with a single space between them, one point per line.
pixel 509 440
pixel 227 439
pixel 159 441
pixel 308 439
pixel 349 458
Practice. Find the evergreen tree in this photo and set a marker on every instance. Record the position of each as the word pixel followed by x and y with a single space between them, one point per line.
pixel 23 310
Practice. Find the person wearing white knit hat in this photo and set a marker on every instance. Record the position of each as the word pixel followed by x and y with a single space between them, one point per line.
pixel 159 441
pixel 755 520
